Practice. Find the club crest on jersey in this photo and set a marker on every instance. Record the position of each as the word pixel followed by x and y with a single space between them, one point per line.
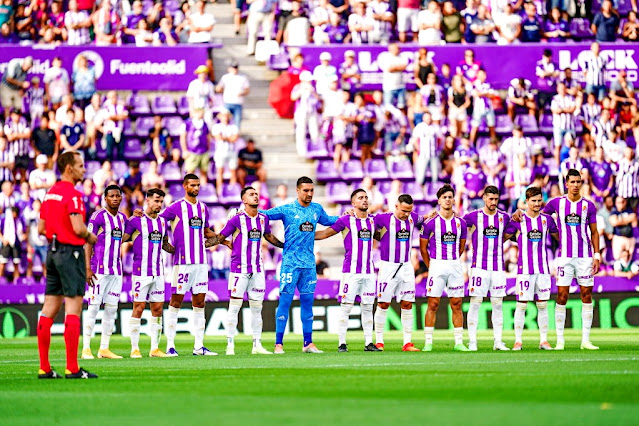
pixel 534 236
pixel 403 235
pixel 573 219
pixel 314 216
pixel 116 234
pixel 449 238
pixel 196 222
pixel 364 234
pixel 255 234
pixel 491 232
pixel 155 237
pixel 307 227
pixel 543 222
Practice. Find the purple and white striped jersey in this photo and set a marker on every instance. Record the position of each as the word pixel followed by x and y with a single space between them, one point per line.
pixel 488 239
pixel 106 252
pixel 147 235
pixel 627 178
pixel 564 120
pixel 20 147
pixel 396 236
pixel 426 137
pixel 247 232
pixel 532 240
pixel 444 237
pixel 573 220
pixel 188 222
pixel 358 243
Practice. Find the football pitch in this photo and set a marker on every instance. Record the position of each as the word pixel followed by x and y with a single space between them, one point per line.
pixel 442 387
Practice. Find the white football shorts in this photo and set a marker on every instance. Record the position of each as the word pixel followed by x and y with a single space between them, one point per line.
pixel 151 287
pixel 445 274
pixel 193 278
pixel 569 268
pixel 482 281
pixel 396 280
pixel 107 289
pixel 253 284
pixel 530 285
pixel 362 285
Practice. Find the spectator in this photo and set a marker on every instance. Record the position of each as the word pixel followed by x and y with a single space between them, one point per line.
pixel 520 95
pixel 8 198
pixel 226 134
pixel 165 35
pixel 515 145
pixel 181 22
pixel 517 180
pixel 201 93
pixel 114 114
pixel 44 140
pixel 131 21
pixel 531 25
pixel 613 147
pixel 72 136
pixel 547 75
pixel 628 177
pixel 131 184
pixel 493 163
pixel 508 26
pixel 18 134
pixel 394 192
pixel 6 35
pixel 469 14
pixel 234 88
pixel 33 101
pixel 595 65
pixel 14 82
pixel 375 197
pixel 423 67
pixel 472 190
pixel 84 79
pixel 336 32
pixel 366 133
pixel 361 25
pixel 429 24
pixel 630 30
pixel 7 160
pixel 343 134
pixel 25 24
pixel 297 65
pixel 458 104
pixel 55 21
pixel 61 111
pixel 602 176
pixel 426 141
pixel 572 162
pixel 556 28
pixel 195 141
pixel 200 24
pixel 93 121
pixel 623 220
pixel 281 196
pixel 482 106
pixel 161 140
pixel 261 13
pixel 151 178
pixel 37 244
pixel 625 267
pixel 407 11
pixel 606 23
pixel 56 81
pixel 452 23
pixel 590 114
pixel 78 23
pixel 396 128
pixel 103 176
pixel 143 36
pixel 349 73
pixel 469 67
pixel 431 98
pixel 106 25
pixel 622 92
pixel 382 13
pixel 563 119
pixel 393 67
pixel 42 178
pixel 305 117
pixel 323 73
pixel 250 164
pixel 90 198
pixel 297 27
pixel 321 267
pixel 11 235
pixel 482 26
pixel 156 14
pixel 6 12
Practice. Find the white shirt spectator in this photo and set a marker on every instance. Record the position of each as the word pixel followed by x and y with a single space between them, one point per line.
pixel 233 85
pixel 392 80
pixel 201 93
pixel 299 31
pixel 429 35
pixel 57 80
pixel 201 20
pixel 41 177
pixel 322 75
pixel 508 26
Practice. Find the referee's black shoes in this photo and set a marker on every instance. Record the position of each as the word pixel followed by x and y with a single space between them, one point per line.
pixel 81 374
pixel 50 375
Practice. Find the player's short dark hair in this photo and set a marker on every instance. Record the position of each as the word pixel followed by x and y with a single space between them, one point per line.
pixel 112 188
pixel 405 199
pixel 444 189
pixel 357 191
pixel 66 159
pixel 533 191
pixel 491 189
pixel 188 177
pixel 245 190
pixel 573 172
pixel 547 53
pixel 155 191
pixel 304 179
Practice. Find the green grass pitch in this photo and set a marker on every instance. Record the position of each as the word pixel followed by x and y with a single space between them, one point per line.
pixel 530 387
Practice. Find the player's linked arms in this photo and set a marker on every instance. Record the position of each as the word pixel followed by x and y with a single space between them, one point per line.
pixel 377 235
pixel 325 233
pixel 166 246
pixel 274 240
pixel 214 240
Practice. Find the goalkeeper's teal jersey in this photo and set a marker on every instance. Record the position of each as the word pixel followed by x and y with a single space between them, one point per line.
pixel 299 236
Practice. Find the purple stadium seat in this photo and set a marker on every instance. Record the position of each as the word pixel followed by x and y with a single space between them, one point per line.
pixel 91 168
pixel 430 192
pixel 139 105
pixel 176 191
pixel 540 141
pixel 119 168
pixel 171 6
pixel 528 123
pixel 326 171
pixel 415 190
pixel 217 213
pixel 503 124
pixel 143 125
pixel 128 128
pixel 402 170
pixel 338 192
pixel 482 141
pixel 171 172
pixel 144 166
pixel 352 170
pixel 376 169
pixel 183 106
pixel 316 150
pixel 423 209
pixel 631 142
pixel 384 186
pixel 279 62
pixel 208 194
pixel 173 125
pixel 545 124
pixel 230 194
pixel 133 150
pixel 164 105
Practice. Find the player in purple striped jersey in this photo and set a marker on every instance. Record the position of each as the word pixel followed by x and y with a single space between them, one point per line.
pixel 104 270
pixel 396 278
pixel 533 273
pixel 358 277
pixel 246 229
pixel 149 236
pixel 579 255
pixel 442 244
pixel 189 221
pixel 487 266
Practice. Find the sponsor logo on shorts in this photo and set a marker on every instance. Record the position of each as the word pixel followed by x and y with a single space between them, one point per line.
pixel 407 292
pixel 114 294
pixel 501 287
pixel 158 292
pixel 461 287
pixel 369 294
pixel 544 290
pixel 195 222
pixel 258 290
pixel 584 277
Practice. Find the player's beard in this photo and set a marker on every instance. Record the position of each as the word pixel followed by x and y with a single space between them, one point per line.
pixel 193 193
pixel 253 206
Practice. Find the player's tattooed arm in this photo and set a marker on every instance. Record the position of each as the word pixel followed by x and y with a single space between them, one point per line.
pixel 215 240
pixel 325 233
pixel 167 246
pixel 555 235
pixel 137 213
pixel 423 249
pixel 274 240
pixel 208 233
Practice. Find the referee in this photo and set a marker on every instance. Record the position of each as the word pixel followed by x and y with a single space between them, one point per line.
pixel 62 220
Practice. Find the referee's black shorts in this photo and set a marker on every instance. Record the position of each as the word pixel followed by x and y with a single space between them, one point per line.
pixel 66 273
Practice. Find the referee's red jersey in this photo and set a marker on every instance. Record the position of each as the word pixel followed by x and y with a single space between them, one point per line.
pixel 60 202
